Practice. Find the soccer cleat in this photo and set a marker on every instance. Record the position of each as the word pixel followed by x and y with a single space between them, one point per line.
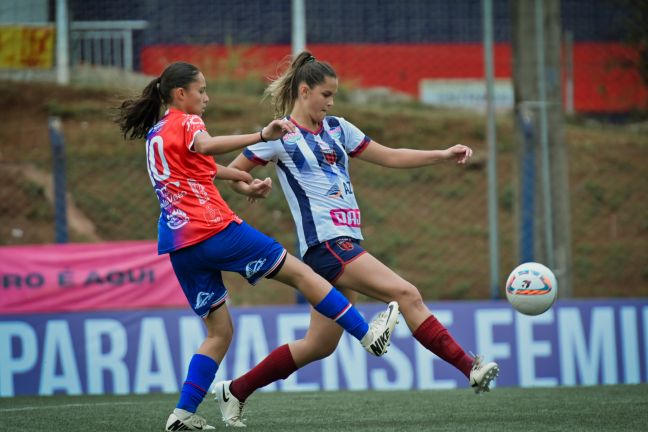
pixel 380 331
pixel 482 374
pixel 191 422
pixel 230 407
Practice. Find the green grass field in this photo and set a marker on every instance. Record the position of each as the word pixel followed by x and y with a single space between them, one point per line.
pixel 600 408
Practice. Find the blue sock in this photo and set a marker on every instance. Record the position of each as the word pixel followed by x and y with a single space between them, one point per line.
pixel 339 308
pixel 202 370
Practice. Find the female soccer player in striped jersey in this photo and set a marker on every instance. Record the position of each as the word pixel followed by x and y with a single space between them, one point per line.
pixel 312 167
pixel 203 236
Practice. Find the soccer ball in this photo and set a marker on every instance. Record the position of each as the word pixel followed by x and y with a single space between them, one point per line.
pixel 531 288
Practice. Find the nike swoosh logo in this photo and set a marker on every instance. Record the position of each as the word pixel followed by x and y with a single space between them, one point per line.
pixel 225 398
pixel 391 308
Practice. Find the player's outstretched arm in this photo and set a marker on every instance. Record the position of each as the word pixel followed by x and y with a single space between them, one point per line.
pixel 214 145
pixel 410 158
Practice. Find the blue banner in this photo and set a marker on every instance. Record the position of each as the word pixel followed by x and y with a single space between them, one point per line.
pixel 574 343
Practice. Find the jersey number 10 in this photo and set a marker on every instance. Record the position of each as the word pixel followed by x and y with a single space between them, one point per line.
pixel 156 143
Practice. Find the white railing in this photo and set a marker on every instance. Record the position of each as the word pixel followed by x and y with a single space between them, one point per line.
pixel 104 43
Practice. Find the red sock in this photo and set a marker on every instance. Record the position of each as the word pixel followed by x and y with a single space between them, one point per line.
pixel 279 364
pixel 436 338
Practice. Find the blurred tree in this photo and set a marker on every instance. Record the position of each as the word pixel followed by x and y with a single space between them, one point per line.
pixel 637 24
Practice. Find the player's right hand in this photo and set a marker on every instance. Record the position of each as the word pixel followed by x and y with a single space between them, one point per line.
pixel 277 129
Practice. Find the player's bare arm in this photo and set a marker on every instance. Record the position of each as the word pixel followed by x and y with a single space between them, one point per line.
pixel 215 145
pixel 410 158
pixel 228 173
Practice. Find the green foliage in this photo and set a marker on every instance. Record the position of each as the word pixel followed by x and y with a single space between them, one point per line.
pixel 71 110
pixel 428 224
pixel 637 27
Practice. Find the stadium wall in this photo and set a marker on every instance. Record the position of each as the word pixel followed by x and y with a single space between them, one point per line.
pixel 603 79
pixel 380 42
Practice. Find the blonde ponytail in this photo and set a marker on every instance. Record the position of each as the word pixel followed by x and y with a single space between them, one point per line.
pixel 305 68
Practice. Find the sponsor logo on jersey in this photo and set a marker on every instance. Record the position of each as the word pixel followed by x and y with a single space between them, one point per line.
pixel 334 192
pixel 202 298
pixel 253 267
pixel 329 155
pixel 167 197
pixel 198 190
pixel 212 215
pixel 291 138
pixel 346 217
pixel 335 132
pixel 193 121
pixel 177 219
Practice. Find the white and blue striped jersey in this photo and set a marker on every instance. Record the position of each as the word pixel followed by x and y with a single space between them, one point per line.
pixel 312 167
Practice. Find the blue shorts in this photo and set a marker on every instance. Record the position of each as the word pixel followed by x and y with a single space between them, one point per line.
pixel 238 248
pixel 328 259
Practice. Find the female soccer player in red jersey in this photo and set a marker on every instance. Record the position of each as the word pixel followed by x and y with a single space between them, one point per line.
pixel 312 166
pixel 203 236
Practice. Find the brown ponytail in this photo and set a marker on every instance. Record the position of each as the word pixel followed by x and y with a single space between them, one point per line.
pixel 137 116
pixel 305 68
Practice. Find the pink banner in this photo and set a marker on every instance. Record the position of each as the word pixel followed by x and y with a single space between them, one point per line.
pixel 85 277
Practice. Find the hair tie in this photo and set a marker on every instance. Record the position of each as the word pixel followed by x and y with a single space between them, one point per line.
pixel 310 58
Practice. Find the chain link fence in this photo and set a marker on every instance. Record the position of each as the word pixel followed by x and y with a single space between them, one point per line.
pixel 412 76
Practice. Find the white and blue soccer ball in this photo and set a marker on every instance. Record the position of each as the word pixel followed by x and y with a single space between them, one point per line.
pixel 531 288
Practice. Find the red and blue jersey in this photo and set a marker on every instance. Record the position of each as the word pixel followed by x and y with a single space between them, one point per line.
pixel 192 209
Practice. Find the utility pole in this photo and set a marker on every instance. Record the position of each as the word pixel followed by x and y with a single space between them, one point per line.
pixel 543 193
pixel 62 43
pixel 298 27
pixel 491 138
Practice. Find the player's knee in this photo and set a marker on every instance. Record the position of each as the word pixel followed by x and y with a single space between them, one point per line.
pixel 216 345
pixel 408 295
pixel 221 334
pixel 223 338
pixel 299 275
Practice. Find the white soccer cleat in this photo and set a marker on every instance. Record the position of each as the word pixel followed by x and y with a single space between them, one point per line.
pixel 230 407
pixel 482 374
pixel 380 331
pixel 189 421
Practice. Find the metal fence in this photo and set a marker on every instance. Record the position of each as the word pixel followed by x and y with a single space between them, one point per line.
pixel 412 75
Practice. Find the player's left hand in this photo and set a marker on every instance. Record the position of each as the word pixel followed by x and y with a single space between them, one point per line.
pixel 460 153
pixel 277 128
pixel 259 189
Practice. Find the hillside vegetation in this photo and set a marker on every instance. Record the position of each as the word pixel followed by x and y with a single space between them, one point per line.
pixel 428 224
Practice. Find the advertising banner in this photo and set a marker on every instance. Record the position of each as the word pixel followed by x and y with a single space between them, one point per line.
pixel 86 277
pixel 26 47
pixel 140 351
